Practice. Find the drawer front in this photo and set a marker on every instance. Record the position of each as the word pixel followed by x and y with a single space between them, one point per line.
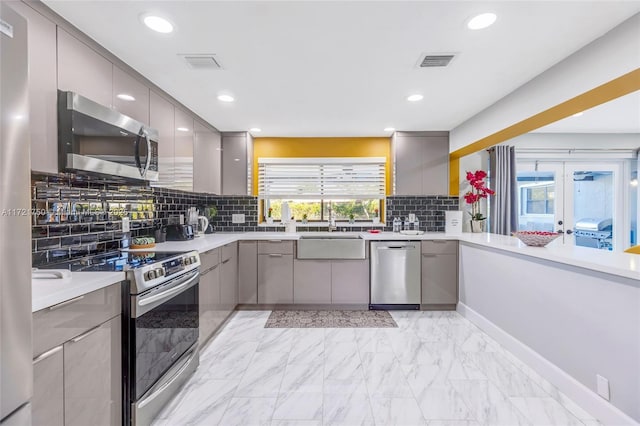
pixel 209 259
pixel 275 247
pixel 440 247
pixel 55 325
pixel 229 251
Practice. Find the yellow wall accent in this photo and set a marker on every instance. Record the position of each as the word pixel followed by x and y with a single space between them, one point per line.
pixel 321 147
pixel 623 85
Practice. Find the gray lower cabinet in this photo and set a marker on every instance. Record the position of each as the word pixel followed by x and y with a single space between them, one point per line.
pixel 350 281
pixel 48 389
pixel 209 302
pixel 78 360
pixel 229 277
pixel 93 376
pixel 248 272
pixel 275 278
pixel 439 272
pixel 312 281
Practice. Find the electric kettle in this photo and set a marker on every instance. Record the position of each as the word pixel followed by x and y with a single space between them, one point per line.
pixel 203 224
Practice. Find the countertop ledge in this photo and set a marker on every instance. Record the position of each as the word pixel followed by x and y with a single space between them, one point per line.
pixel 619 264
pixel 47 293
pixel 50 292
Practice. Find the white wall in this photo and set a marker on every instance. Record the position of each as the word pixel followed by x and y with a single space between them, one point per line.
pixel 584 322
pixel 576 141
pixel 612 55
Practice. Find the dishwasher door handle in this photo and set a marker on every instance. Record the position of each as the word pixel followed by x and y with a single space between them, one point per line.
pixel 396 248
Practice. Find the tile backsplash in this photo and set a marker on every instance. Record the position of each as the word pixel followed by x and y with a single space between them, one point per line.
pixel 429 210
pixel 78 216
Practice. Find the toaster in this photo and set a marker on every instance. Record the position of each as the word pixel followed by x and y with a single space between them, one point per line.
pixel 180 232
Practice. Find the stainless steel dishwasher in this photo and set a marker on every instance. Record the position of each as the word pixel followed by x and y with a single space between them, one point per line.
pixel 395 275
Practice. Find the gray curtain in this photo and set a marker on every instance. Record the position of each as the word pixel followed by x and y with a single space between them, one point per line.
pixel 504 205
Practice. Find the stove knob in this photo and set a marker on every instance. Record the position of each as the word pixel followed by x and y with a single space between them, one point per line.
pixel 150 275
pixel 193 259
pixel 187 260
pixel 159 272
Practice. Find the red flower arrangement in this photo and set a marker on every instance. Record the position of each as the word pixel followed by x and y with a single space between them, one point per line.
pixel 478 191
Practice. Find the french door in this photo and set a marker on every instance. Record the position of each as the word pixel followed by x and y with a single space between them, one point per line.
pixel 585 201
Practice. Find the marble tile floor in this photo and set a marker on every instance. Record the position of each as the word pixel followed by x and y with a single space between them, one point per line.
pixel 435 369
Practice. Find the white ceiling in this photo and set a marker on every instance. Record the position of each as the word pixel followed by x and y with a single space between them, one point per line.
pixel 343 68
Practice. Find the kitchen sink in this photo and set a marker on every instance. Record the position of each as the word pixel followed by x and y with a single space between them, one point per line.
pixel 330 236
pixel 331 246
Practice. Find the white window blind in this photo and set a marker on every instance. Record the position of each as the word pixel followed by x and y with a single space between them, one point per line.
pixel 321 178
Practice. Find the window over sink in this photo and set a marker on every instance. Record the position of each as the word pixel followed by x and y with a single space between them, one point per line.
pixel 322 188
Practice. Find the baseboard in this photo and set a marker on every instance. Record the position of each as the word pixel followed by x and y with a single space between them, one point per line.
pixel 578 392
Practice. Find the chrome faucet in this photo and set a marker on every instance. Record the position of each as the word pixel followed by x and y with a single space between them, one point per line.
pixel 332 222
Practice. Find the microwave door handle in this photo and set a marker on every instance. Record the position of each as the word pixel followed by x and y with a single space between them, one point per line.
pixel 148 163
pixel 137 154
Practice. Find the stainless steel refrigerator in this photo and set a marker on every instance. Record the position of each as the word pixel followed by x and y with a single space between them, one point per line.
pixel 16 371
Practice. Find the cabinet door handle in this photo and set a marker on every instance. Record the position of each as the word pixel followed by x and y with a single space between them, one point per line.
pixel 47 354
pixel 225 261
pixel 275 241
pixel 68 302
pixel 84 335
pixel 439 241
pixel 275 255
pixel 428 255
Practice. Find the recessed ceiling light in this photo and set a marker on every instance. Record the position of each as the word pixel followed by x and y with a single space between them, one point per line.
pixel 158 24
pixel 578 114
pixel 255 129
pixel 389 129
pixel 415 98
pixel 125 97
pixel 481 21
pixel 182 129
pixel 226 98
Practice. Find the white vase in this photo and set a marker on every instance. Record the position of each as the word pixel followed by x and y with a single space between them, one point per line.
pixel 376 220
pixel 269 220
pixel 477 225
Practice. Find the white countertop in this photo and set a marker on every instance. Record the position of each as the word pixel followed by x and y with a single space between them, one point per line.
pixel 621 264
pixel 49 292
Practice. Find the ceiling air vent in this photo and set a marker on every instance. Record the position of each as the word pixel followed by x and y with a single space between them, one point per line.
pixel 430 61
pixel 203 62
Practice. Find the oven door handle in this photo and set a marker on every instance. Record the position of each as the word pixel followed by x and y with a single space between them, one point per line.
pixel 143 304
pixel 167 294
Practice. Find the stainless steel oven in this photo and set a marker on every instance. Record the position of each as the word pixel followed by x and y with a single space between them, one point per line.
pixel 95 139
pixel 161 339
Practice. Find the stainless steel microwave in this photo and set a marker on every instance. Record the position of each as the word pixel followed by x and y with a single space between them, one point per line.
pixel 95 139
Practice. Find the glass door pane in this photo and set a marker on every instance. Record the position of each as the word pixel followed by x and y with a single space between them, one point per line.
pixel 540 198
pixel 594 196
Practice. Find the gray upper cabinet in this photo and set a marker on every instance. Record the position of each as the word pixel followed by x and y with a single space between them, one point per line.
pixel 183 160
pixel 43 124
pixel 162 118
pixel 421 163
pixel 124 85
pixel 84 71
pixel 206 159
pixel 235 158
